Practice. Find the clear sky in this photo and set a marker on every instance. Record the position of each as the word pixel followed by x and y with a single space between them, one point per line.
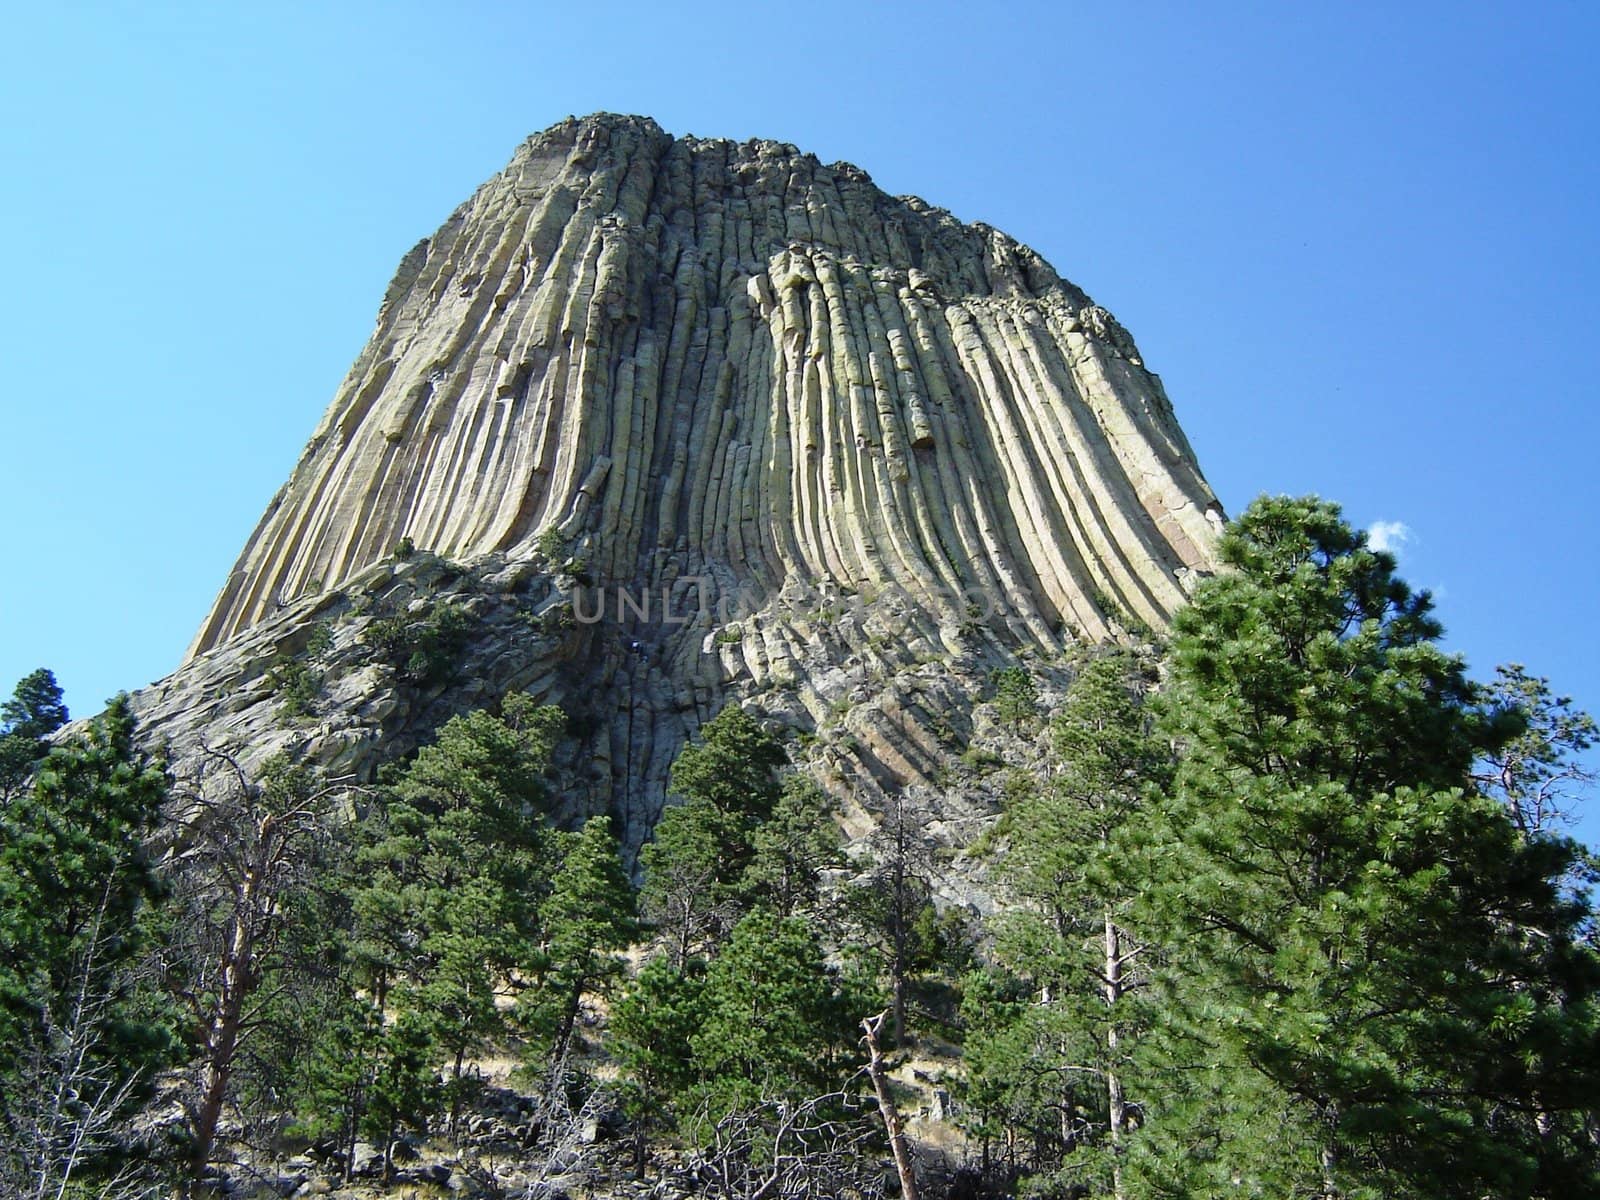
pixel 1359 242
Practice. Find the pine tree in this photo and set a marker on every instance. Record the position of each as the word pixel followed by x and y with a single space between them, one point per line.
pixel 887 909
pixel 332 1072
pixel 732 765
pixel 792 848
pixel 81 1036
pixel 650 1029
pixel 774 1016
pixel 365 1076
pixel 999 1107
pixel 588 918
pixel 34 712
pixel 1072 933
pixel 1377 985
pixel 449 882
pixel 1533 770
pixel 696 865
pixel 73 860
pixel 404 1091
pixel 1016 697
pixel 693 893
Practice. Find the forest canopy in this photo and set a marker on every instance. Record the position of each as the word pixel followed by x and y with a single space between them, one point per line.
pixel 1283 905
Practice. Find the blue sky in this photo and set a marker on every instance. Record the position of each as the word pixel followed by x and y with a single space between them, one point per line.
pixel 1359 243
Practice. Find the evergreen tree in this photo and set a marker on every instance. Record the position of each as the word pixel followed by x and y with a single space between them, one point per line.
pixel 450 879
pixel 1072 934
pixel 81 1036
pixel 792 848
pixel 311 972
pixel 732 765
pixel 34 712
pixel 1019 1102
pixel 691 895
pixel 887 910
pixel 774 1016
pixel 587 918
pixel 36 708
pixel 1377 986
pixel 1016 697
pixel 332 1070
pixel 1533 769
pixel 404 1091
pixel 365 1077
pixel 651 1027
pixel 450 994
pixel 696 865
pixel 74 871
pixel 767 1022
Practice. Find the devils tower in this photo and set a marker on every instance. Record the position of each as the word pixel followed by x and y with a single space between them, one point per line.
pixel 651 424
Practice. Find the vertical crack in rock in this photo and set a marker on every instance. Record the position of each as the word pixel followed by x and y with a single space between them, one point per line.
pixel 848 440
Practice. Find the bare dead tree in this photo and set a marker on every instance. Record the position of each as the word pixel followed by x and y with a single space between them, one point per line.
pixel 882 907
pixel 246 843
pixel 1539 774
pixel 64 1110
pixel 565 1143
pixel 904 1166
pixel 817 1148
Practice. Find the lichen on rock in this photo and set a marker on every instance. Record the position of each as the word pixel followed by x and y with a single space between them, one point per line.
pixel 803 443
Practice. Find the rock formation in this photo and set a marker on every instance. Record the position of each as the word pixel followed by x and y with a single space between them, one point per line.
pixel 669 421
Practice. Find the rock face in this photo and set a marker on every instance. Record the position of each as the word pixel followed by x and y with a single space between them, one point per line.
pixel 675 421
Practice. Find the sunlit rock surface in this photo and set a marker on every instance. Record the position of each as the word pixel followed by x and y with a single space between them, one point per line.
pixel 674 421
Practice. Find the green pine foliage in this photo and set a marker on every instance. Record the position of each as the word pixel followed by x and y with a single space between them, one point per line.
pixel 766 1020
pixel 790 850
pixel 1376 985
pixel 651 1028
pixel 33 713
pixel 892 931
pixel 775 1019
pixel 368 1077
pixel 451 876
pixel 732 766
pixel 1002 1108
pixel 75 878
pixel 1071 940
pixel 1016 697
pixel 698 865
pixel 455 894
pixel 1534 769
pixel 588 919
pixel 739 1008
pixel 297 685
pixel 36 708
pixel 82 1032
pixel 420 647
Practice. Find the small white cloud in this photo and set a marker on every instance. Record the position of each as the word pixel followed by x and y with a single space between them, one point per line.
pixel 1388 535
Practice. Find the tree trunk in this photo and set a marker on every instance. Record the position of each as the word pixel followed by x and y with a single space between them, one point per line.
pixel 899 1000
pixel 1116 1107
pixel 569 1019
pixel 235 984
pixel 455 1091
pixel 1329 1155
pixel 891 1115
pixel 898 965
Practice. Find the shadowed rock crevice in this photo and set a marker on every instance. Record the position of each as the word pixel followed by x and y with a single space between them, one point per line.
pixel 842 435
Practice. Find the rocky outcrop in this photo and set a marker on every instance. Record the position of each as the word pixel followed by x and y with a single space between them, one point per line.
pixel 756 428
